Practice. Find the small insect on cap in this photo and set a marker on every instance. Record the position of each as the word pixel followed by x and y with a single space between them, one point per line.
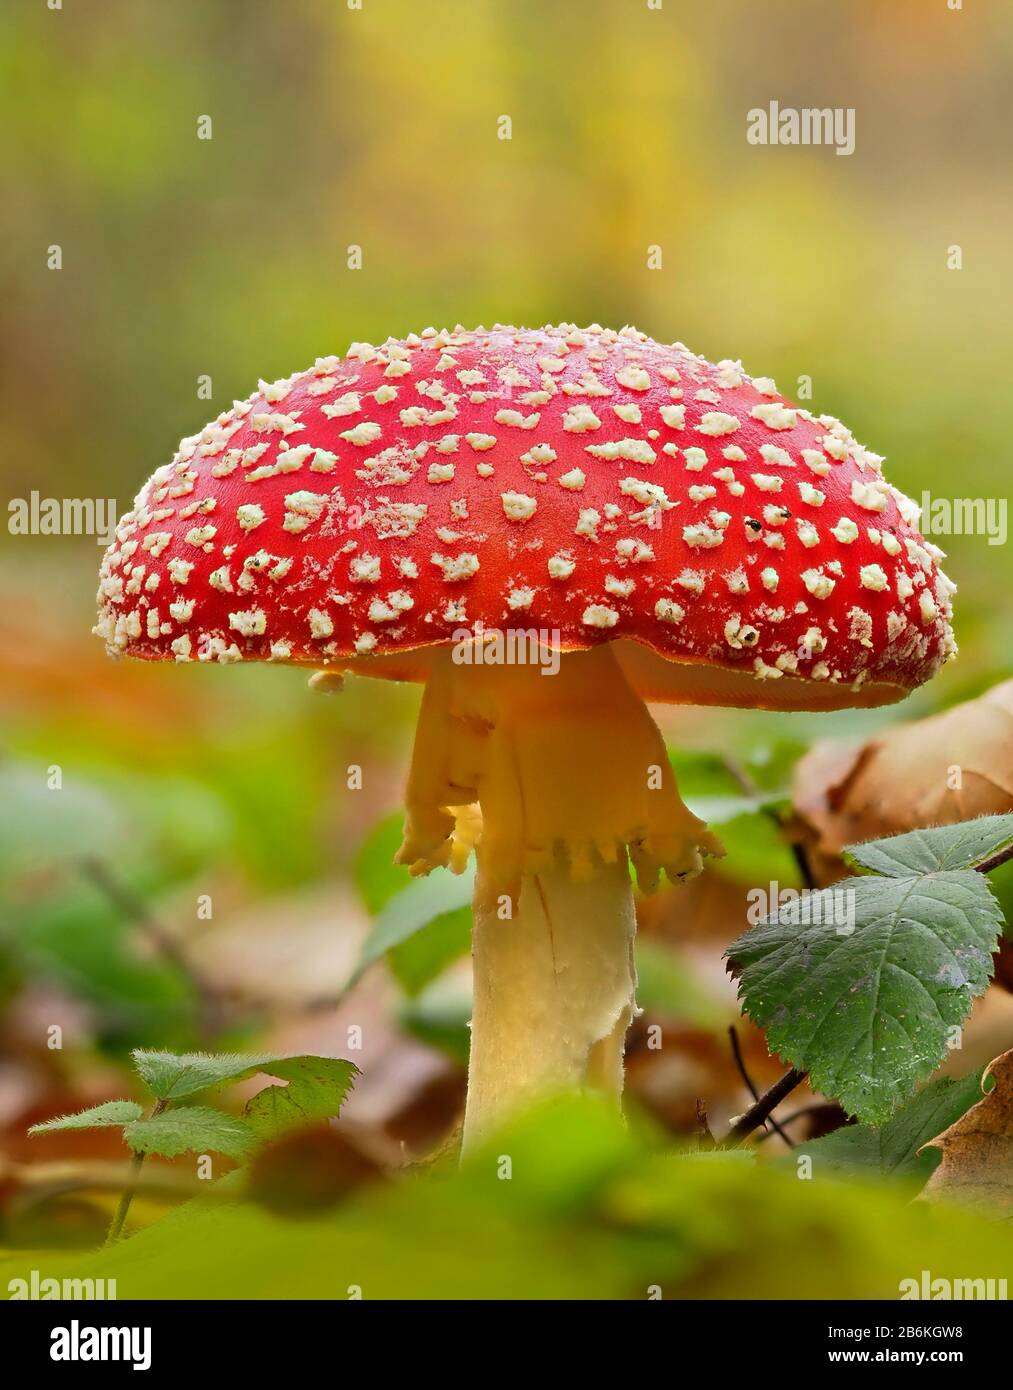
pixel 595 485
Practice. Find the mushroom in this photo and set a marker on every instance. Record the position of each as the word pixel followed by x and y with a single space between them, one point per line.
pixel 547 528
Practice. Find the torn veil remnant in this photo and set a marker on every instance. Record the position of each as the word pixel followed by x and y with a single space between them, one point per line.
pixel 666 528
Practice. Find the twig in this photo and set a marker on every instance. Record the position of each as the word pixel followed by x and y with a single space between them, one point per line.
pixel 212 1010
pixel 758 1113
pixel 218 1009
pixel 703 1131
pixel 800 857
pixel 817 1108
pixel 38 1181
pixel 1002 856
pixel 136 1164
pixel 733 1037
pixel 750 788
pixel 739 774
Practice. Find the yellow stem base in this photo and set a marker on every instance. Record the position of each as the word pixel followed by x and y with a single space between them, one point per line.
pixel 554 994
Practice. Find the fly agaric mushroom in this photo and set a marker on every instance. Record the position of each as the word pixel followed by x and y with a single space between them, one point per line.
pixel 546 528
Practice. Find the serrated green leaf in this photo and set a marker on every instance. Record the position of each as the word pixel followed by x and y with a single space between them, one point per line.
pixel 939 847
pixel 110 1112
pixel 868 1013
pixel 413 908
pixel 316 1088
pixel 191 1129
pixel 891 1150
pixel 171 1076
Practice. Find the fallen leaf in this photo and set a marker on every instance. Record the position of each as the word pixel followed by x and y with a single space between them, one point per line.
pixel 976 1169
pixel 904 778
pixel 310 1171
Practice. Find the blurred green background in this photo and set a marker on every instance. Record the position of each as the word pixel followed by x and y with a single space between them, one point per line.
pixel 228 258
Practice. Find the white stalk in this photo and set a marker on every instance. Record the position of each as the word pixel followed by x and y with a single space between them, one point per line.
pixel 554 993
pixel 573 782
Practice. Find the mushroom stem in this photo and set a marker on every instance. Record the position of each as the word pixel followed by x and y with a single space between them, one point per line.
pixel 574 783
pixel 554 992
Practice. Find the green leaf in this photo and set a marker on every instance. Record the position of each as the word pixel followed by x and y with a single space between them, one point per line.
pixel 316 1088
pixel 377 877
pixel 420 958
pixel 110 1112
pixel 869 1012
pixel 40 827
pixel 713 792
pixel 439 1017
pixel 76 936
pixel 667 983
pixel 756 852
pixel 412 909
pixel 191 1129
pixel 111 816
pixel 171 1077
pixel 892 1151
pixel 940 847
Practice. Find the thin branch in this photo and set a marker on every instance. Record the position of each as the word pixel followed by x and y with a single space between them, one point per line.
pixel 705 1139
pixel 218 1008
pixel 740 775
pixel 760 1111
pixel 733 1037
pixel 116 1228
pixel 818 1108
pixel 37 1181
pixel 212 1008
pixel 1002 856
pixel 749 788
pixel 800 857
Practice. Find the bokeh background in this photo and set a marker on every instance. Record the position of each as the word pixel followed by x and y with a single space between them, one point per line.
pixel 228 258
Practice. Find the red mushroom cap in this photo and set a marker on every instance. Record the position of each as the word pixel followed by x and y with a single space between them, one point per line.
pixel 596 485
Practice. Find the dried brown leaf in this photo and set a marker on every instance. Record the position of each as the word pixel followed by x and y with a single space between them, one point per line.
pixel 976 1169
pixel 936 771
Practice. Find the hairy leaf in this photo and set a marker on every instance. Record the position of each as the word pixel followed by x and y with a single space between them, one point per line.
pixel 110 1112
pixel 892 1150
pixel 941 847
pixel 869 1012
pixel 193 1129
pixel 172 1076
pixel 316 1088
